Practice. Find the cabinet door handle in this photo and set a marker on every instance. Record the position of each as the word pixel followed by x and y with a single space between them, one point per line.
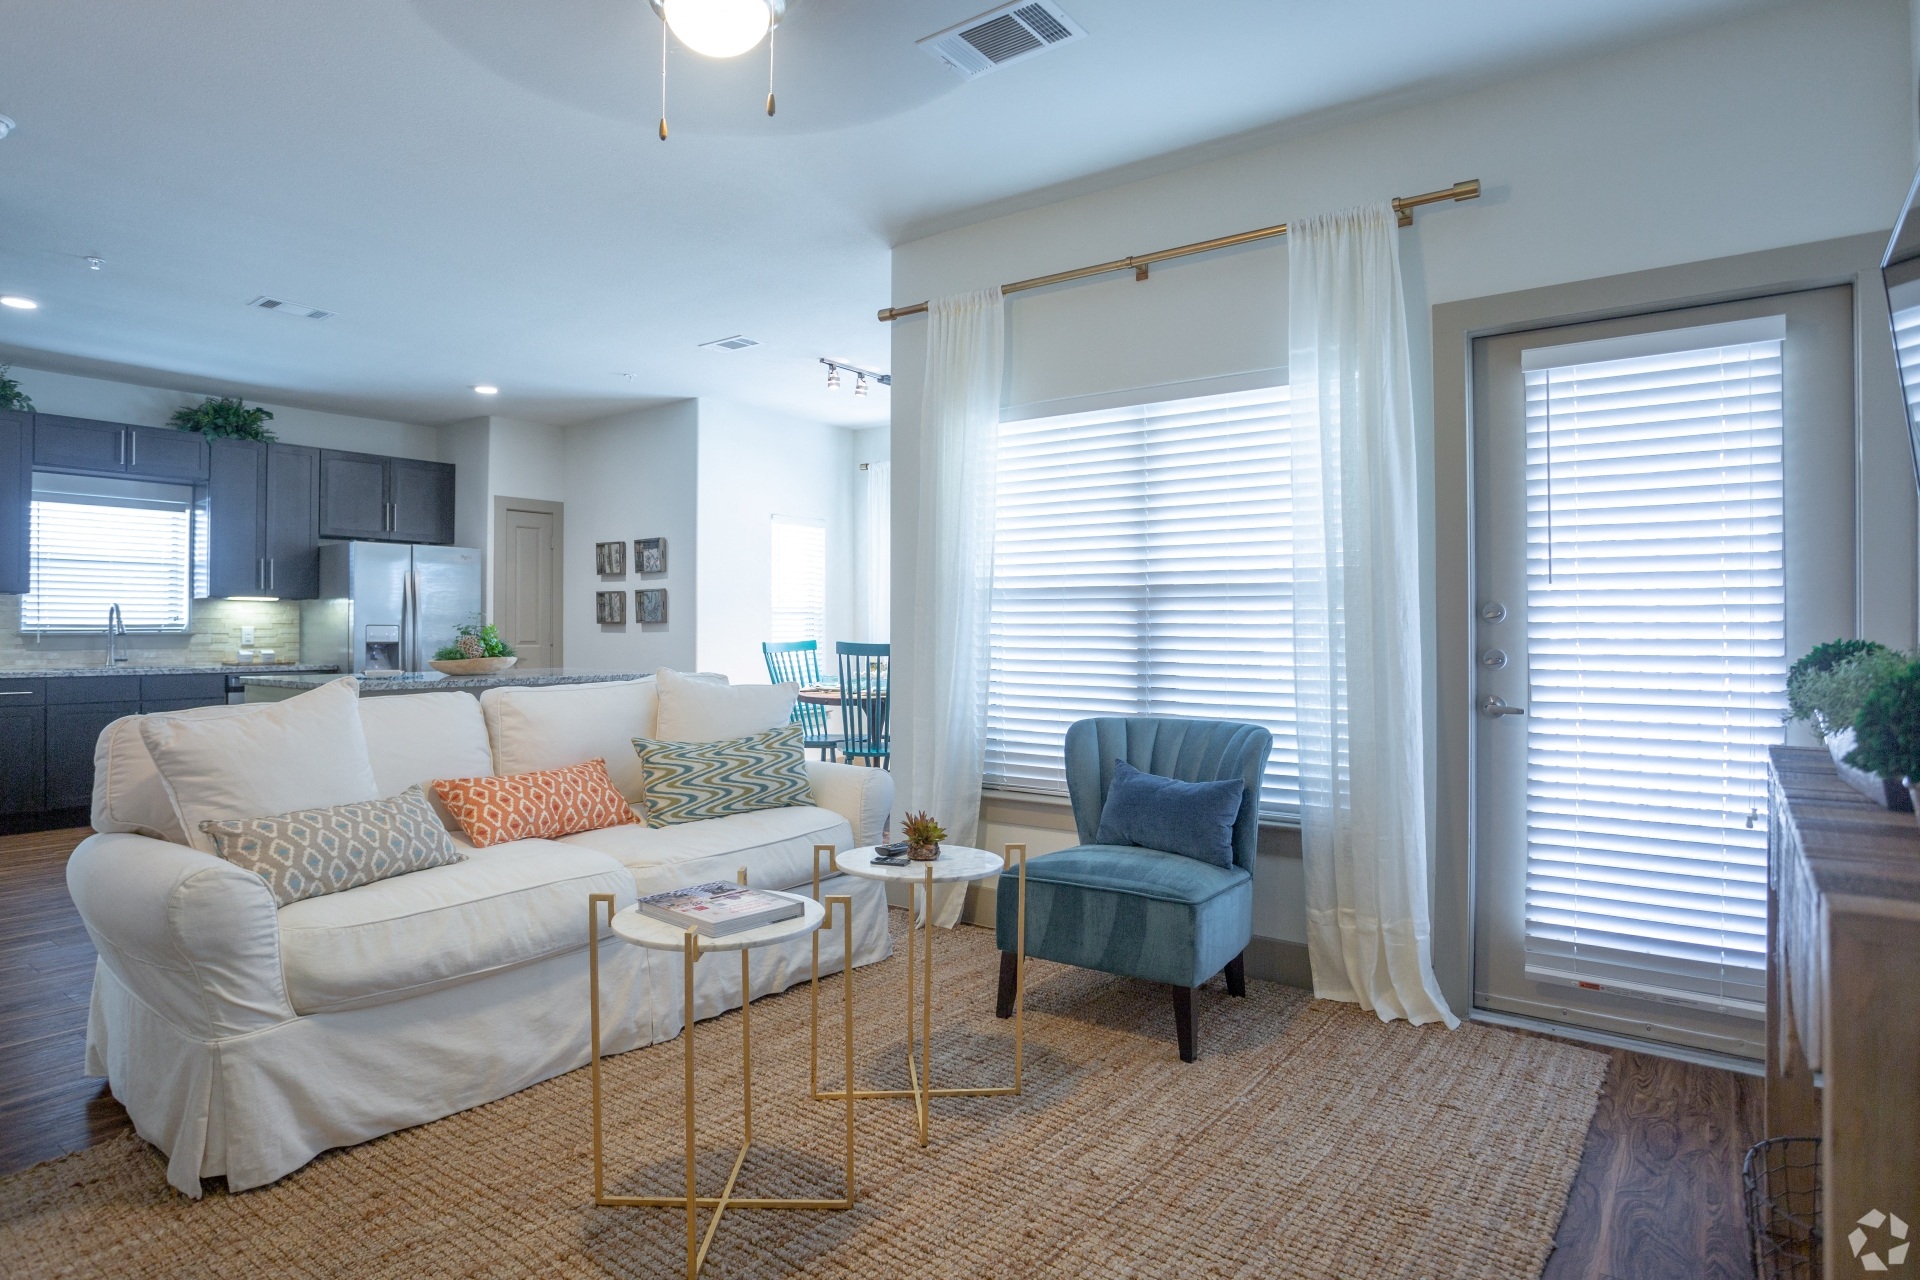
pixel 16 693
pixel 133 449
pixel 269 574
pixel 123 448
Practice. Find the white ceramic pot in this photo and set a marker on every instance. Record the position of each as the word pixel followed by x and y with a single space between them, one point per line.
pixel 1885 792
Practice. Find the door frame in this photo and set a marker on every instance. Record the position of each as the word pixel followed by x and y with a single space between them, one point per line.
pixel 1885 554
pixel 501 506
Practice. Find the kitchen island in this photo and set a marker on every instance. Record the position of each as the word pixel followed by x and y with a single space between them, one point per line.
pixel 277 687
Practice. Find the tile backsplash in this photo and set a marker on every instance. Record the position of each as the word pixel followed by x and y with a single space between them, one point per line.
pixel 213 636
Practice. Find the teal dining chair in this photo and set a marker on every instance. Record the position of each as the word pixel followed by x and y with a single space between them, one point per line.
pixel 864 708
pixel 798 662
pixel 1138 912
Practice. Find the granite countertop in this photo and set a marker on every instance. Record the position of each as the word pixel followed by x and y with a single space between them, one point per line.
pixel 129 669
pixel 427 681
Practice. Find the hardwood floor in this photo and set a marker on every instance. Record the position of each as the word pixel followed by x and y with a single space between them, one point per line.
pixel 1657 1196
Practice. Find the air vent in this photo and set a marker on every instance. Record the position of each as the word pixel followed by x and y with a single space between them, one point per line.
pixel 286 308
pixel 1009 34
pixel 738 342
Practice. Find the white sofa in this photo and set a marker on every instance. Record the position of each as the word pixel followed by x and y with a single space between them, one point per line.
pixel 245 1039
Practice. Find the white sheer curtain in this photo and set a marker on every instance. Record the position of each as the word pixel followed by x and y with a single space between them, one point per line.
pixel 943 700
pixel 877 549
pixel 1363 796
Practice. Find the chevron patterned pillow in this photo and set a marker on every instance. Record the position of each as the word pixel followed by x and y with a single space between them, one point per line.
pixel 314 851
pixel 689 781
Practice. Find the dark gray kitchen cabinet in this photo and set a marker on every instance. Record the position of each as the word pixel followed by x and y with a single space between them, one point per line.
pixel 178 692
pixel 366 496
pixel 90 447
pixel 263 513
pixel 353 495
pixel 16 501
pixel 23 746
pixel 291 534
pixel 72 731
pixel 421 494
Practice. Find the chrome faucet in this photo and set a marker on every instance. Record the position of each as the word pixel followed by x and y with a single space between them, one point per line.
pixel 116 628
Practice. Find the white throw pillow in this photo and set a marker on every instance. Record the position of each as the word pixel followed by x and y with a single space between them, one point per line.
pixel 308 752
pixel 553 726
pixel 697 708
pixel 416 738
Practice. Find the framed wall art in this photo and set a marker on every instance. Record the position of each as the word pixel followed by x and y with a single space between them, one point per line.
pixel 610 559
pixel 652 604
pixel 610 607
pixel 650 554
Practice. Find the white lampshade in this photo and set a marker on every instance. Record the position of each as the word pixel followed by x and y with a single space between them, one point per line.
pixel 718 28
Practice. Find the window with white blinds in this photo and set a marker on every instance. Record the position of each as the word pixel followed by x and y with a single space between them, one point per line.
pixel 98 543
pixel 1906 342
pixel 1143 565
pixel 799 579
pixel 1656 638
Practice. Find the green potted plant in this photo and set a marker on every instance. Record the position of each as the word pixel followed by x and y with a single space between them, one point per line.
pixel 224 418
pixel 1826 688
pixel 1888 727
pixel 923 837
pixel 11 396
pixel 477 650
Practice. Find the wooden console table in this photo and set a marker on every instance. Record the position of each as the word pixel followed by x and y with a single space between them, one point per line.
pixel 1843 994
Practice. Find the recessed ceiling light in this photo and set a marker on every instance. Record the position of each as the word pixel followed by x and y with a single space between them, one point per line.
pixel 485 390
pixel 17 302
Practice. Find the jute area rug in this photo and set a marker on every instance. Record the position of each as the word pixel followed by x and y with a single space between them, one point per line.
pixel 1310 1139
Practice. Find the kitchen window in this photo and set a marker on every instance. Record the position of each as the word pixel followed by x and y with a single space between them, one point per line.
pixel 97 543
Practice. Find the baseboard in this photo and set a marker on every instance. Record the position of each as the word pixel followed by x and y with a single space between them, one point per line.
pixel 1277 960
pixel 1614 1040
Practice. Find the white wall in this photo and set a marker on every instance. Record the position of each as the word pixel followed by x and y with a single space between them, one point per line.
pixel 631 476
pixel 1789 127
pixel 81 397
pixel 755 465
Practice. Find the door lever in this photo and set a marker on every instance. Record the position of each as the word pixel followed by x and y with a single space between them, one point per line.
pixel 1496 706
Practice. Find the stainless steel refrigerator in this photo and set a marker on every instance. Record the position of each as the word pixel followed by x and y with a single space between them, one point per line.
pixel 387 606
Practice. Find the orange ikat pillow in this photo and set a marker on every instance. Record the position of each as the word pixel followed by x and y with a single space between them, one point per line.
pixel 541 805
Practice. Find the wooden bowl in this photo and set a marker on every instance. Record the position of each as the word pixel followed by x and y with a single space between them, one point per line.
pixel 470 666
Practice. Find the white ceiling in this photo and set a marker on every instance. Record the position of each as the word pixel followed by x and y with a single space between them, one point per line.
pixel 475 187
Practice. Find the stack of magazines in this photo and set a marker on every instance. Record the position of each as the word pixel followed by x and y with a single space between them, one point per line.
pixel 717 909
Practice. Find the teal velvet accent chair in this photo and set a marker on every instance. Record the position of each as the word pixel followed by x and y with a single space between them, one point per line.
pixel 798 662
pixel 1144 913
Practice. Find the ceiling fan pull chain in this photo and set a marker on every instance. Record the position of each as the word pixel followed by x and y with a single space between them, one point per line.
pixel 770 71
pixel 663 81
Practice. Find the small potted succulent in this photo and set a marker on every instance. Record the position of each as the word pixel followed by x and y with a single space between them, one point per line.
pixel 1888 727
pixel 477 650
pixel 1826 690
pixel 923 837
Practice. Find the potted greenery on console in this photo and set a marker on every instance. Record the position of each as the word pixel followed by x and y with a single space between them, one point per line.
pixel 11 396
pixel 1827 689
pixel 1888 727
pixel 226 418
pixel 477 650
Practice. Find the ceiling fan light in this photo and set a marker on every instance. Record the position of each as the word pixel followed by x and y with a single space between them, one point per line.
pixel 718 28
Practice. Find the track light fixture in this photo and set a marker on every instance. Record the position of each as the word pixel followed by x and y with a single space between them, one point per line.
pixel 717 29
pixel 862 377
pixel 833 377
pixel 860 384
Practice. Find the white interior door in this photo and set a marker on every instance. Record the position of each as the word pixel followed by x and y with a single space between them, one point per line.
pixel 526 580
pixel 1663 520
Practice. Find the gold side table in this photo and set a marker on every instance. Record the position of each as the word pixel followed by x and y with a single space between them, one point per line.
pixel 956 864
pixel 644 931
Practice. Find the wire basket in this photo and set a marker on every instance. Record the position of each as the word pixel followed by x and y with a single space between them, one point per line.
pixel 1781 1179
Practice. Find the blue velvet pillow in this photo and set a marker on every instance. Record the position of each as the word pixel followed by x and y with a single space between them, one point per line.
pixel 1194 819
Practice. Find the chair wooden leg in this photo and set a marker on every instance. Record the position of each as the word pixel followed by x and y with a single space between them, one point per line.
pixel 1183 1020
pixel 1009 973
pixel 1237 975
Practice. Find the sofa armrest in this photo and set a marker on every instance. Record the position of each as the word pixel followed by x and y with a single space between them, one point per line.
pixel 196 938
pixel 863 796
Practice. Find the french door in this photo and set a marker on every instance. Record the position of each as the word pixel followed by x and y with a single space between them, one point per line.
pixel 1663 521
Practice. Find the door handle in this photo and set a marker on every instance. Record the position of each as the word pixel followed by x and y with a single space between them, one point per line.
pixel 1495 706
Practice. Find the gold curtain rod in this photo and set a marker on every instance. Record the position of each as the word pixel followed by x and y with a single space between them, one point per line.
pixel 1138 263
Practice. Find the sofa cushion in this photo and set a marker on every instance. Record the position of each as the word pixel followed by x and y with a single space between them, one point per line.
pixel 418 737
pixel 542 805
pixel 308 752
pixel 314 851
pixel 557 725
pixel 1149 873
pixel 774 845
pixel 128 795
pixel 699 708
pixel 502 907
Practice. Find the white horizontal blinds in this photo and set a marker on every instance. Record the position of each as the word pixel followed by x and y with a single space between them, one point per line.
pixel 1906 348
pixel 1143 565
pixel 799 579
pixel 90 553
pixel 1656 644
